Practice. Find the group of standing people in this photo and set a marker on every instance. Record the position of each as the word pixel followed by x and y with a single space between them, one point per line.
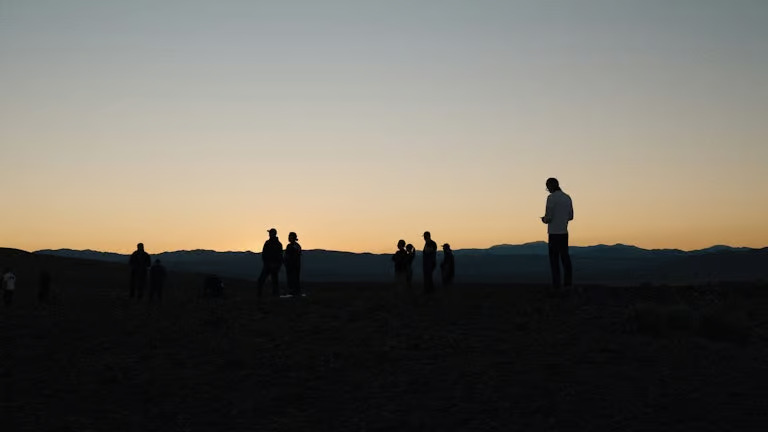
pixel 406 254
pixel 146 274
pixel 273 258
pixel 557 214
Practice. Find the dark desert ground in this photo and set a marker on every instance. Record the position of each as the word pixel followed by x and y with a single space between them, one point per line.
pixel 360 357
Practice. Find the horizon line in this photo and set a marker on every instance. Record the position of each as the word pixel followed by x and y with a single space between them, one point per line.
pixel 387 253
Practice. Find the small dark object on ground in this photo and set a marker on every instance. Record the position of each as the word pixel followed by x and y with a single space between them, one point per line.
pixel 213 287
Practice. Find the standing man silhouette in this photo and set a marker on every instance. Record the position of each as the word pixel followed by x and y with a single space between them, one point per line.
pixel 293 265
pixel 140 263
pixel 272 260
pixel 429 262
pixel 558 213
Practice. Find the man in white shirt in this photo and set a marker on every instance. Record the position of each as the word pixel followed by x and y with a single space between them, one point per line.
pixel 9 286
pixel 558 213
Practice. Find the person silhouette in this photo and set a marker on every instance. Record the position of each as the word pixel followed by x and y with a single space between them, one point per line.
pixel 447 267
pixel 272 260
pixel 400 258
pixel 157 275
pixel 293 264
pixel 9 286
pixel 140 263
pixel 410 251
pixel 43 287
pixel 558 212
pixel 429 261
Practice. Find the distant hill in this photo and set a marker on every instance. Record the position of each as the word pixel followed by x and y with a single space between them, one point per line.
pixel 614 264
pixel 616 250
pixel 85 254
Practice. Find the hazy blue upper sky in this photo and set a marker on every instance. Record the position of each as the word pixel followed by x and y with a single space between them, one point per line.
pixel 355 123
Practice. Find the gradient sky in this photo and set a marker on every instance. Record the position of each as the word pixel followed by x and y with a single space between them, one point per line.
pixel 191 124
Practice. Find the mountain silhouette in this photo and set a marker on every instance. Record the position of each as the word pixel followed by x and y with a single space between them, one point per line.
pixel 608 264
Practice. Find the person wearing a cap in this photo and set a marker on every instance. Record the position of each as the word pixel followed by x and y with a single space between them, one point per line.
pixel 447 267
pixel 272 260
pixel 293 264
pixel 429 261
pixel 557 214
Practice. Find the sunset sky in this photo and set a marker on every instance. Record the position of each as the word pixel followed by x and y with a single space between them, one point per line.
pixel 201 124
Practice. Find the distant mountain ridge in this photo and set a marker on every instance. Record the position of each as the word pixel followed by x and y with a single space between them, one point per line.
pixel 531 248
pixel 540 247
pixel 616 264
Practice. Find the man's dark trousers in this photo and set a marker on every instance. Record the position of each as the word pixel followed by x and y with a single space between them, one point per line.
pixel 558 251
pixel 138 283
pixel 269 271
